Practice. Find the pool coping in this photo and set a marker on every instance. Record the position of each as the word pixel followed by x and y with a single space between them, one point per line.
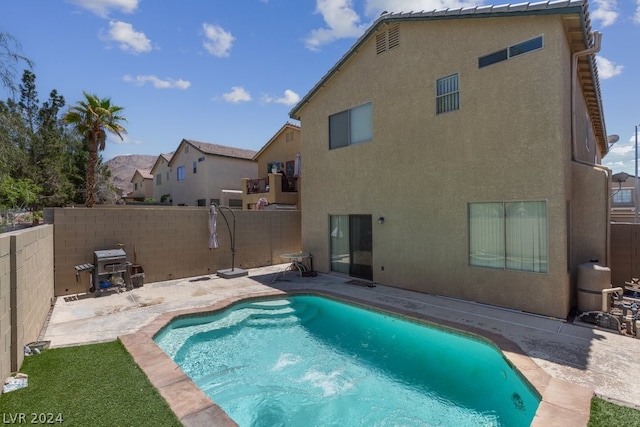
pixel 562 403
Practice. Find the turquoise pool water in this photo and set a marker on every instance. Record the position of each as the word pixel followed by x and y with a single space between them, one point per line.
pixel 313 361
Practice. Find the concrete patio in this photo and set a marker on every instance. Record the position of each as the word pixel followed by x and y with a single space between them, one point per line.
pixel 565 362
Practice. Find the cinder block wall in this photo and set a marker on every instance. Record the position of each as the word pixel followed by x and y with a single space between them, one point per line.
pixel 5 306
pixel 26 291
pixel 169 242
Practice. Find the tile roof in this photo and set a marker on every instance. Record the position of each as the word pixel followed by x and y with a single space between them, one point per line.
pixel 221 150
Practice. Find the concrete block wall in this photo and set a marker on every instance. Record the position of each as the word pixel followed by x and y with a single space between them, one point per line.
pixel 5 306
pixel 169 242
pixel 26 291
pixel 625 244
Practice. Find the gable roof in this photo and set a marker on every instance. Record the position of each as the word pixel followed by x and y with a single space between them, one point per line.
pixel 577 26
pixel 215 150
pixel 286 126
pixel 166 156
pixel 144 174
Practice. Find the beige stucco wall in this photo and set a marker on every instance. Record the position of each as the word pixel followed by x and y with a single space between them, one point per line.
pixel 510 140
pixel 166 177
pixel 170 242
pixel 279 150
pixel 142 188
pixel 26 291
pixel 214 174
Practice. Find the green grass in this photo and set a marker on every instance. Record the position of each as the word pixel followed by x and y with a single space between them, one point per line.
pixel 89 385
pixel 607 414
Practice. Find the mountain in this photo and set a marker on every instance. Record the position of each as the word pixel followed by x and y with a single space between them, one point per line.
pixel 123 167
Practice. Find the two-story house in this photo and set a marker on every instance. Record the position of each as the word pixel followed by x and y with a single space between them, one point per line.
pixel 457 152
pixel 142 186
pixel 204 173
pixel 279 180
pixel 161 173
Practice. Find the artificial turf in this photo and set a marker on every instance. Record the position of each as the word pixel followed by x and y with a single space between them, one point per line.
pixel 88 385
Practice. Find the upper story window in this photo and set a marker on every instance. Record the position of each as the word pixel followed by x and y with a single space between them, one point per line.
pixel 201 159
pixel 623 196
pixel 511 51
pixel 181 174
pixel 159 179
pixel 351 126
pixel 195 167
pixel 447 94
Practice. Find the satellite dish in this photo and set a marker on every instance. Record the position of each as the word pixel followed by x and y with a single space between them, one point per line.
pixel 612 139
pixel 620 177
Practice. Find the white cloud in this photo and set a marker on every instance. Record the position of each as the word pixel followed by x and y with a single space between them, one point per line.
pixel 375 7
pixel 128 39
pixel 157 82
pixel 604 11
pixel 218 41
pixel 289 98
pixel 607 69
pixel 102 7
pixel 636 16
pixel 112 139
pixel 237 94
pixel 342 22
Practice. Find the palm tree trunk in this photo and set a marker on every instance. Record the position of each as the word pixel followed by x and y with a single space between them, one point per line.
pixel 92 160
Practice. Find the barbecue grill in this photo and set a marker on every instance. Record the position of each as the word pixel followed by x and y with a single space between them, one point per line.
pixel 108 263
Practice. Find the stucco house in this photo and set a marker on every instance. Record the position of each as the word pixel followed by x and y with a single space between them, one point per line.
pixel 205 173
pixel 623 198
pixel 457 152
pixel 161 173
pixel 278 179
pixel 142 181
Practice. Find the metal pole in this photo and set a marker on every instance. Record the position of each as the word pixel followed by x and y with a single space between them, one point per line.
pixel 635 185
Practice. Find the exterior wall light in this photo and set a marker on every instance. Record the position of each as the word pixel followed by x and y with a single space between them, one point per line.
pixel 381 220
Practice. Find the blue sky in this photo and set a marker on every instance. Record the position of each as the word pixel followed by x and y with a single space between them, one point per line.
pixel 229 71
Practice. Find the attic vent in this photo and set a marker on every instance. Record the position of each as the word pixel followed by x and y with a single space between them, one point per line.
pixel 394 37
pixel 381 43
pixel 387 39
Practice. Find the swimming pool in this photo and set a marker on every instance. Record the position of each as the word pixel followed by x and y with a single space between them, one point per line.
pixel 310 360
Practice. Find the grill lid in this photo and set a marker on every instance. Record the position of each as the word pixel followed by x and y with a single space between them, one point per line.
pixel 109 254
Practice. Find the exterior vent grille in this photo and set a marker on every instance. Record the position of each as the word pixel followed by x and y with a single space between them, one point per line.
pixel 387 40
pixel 381 43
pixel 394 37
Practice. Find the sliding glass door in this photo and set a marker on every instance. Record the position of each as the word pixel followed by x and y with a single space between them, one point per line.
pixel 351 245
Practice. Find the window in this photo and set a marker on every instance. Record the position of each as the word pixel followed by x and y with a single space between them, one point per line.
pixel 195 167
pixel 201 159
pixel 201 202
pixel 159 179
pixel 135 186
pixel 167 176
pixel 508 235
pixel 351 126
pixel 511 52
pixel 181 174
pixel 622 196
pixel 447 94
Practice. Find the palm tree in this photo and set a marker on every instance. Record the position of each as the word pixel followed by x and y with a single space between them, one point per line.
pixel 92 118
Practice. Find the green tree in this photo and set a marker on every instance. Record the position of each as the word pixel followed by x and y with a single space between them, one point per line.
pixel 9 57
pixel 92 118
pixel 18 193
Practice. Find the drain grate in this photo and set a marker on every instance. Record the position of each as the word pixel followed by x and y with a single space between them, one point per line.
pixel 362 283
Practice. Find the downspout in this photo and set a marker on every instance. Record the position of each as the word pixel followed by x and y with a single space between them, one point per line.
pixel 595 48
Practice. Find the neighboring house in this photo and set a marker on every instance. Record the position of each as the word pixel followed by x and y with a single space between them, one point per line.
pixel 161 173
pixel 623 198
pixel 278 178
pixel 142 181
pixel 457 153
pixel 204 173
